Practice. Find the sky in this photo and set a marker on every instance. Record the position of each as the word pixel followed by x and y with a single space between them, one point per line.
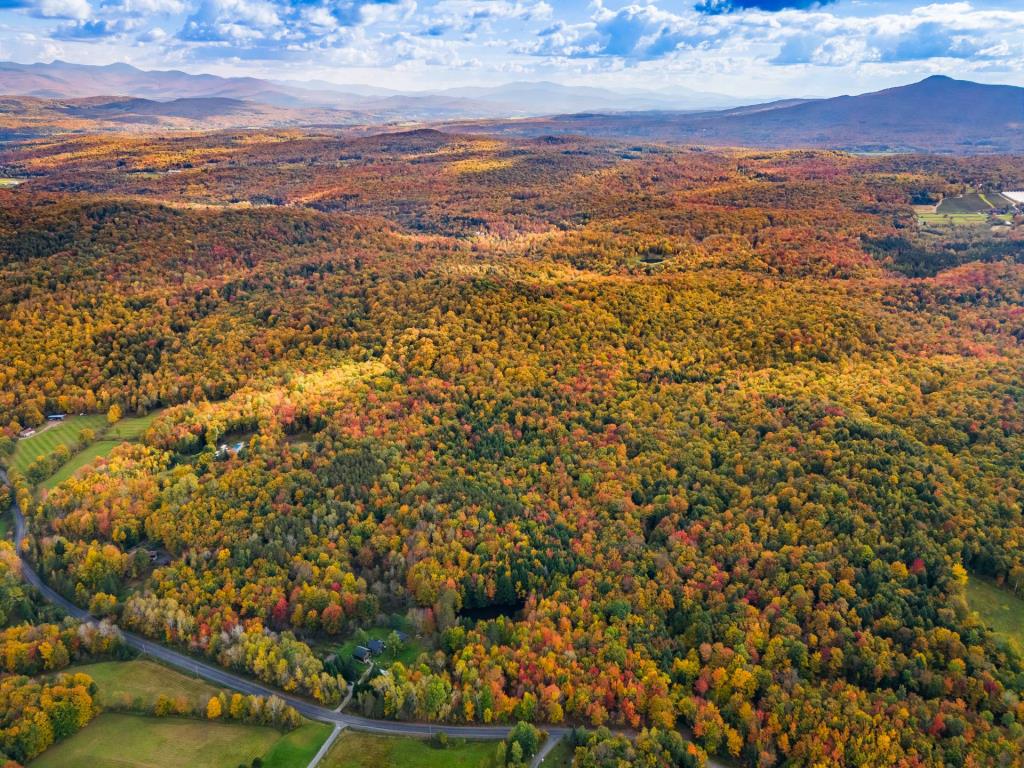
pixel 745 48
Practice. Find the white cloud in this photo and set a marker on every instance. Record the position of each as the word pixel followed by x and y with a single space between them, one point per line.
pixel 626 42
pixel 64 9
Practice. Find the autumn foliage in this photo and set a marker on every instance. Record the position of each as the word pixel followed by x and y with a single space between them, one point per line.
pixel 635 437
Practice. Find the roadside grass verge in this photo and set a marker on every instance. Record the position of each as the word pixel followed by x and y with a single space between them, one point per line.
pixel 297 748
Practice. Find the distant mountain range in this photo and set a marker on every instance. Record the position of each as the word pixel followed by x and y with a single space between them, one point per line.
pixel 938 114
pixel 61 80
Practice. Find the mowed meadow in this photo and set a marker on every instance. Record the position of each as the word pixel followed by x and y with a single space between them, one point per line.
pixel 706 452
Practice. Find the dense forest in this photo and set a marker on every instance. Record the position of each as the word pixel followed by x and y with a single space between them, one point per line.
pixel 701 445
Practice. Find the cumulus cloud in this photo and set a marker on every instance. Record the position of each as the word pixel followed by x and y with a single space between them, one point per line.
pixel 51 9
pixel 936 31
pixel 92 29
pixel 639 32
pixel 298 22
pixel 728 6
pixel 782 39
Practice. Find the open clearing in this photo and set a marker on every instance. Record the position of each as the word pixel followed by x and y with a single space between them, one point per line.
pixel 130 428
pixel 140 682
pixel 143 680
pixel 364 750
pixel 134 741
pixel 1000 609
pixel 50 437
pixel 79 460
pixel 48 440
pixel 953 219
pixel 973 202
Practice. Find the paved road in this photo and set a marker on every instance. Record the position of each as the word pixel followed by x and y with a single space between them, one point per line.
pixel 549 744
pixel 227 679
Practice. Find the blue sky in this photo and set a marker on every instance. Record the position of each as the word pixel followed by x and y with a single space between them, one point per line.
pixel 747 48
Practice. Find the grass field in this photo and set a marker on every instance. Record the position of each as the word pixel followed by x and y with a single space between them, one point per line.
pixel 134 741
pixel 999 608
pixel 79 460
pixel 945 219
pixel 140 682
pixel 363 750
pixel 46 442
pixel 66 433
pixel 969 203
pixel 130 428
pixel 296 749
pixel 143 680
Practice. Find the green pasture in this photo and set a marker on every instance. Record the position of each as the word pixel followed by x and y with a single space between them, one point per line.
pixel 364 750
pixel 79 460
pixel 141 681
pixel 135 741
pixel 50 437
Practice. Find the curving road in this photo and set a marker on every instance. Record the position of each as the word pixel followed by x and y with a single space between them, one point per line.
pixel 227 679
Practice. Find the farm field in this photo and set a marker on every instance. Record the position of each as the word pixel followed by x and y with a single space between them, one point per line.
pixel 47 441
pixel 79 460
pixel 135 741
pixel 973 202
pixel 142 680
pixel 363 750
pixel 1000 608
pixel 953 219
pixel 139 682
pixel 130 428
pixel 66 433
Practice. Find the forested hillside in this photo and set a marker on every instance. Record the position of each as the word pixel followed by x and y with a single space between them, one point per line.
pixel 633 436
